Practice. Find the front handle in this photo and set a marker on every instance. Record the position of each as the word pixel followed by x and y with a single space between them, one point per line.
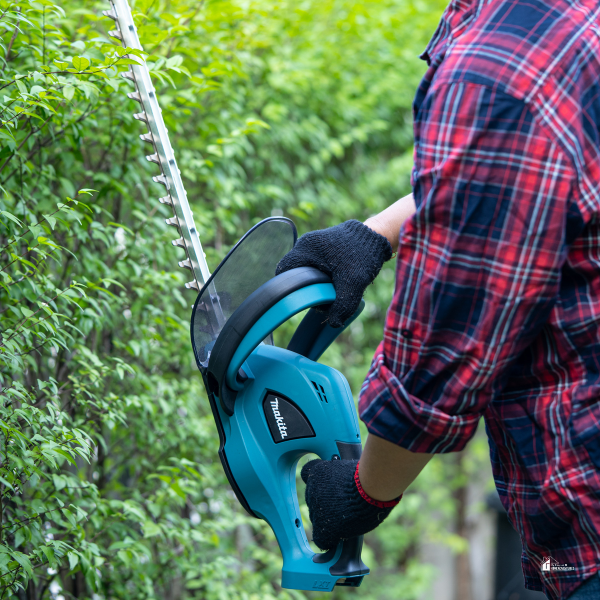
pixel 260 314
pixel 232 338
pixel 313 295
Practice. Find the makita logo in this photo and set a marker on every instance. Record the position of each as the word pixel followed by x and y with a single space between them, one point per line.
pixel 278 418
pixel 285 420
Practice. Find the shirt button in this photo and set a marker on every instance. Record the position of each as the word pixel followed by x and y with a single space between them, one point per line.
pixel 406 333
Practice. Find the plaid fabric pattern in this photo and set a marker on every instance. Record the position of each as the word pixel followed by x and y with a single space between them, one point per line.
pixel 496 311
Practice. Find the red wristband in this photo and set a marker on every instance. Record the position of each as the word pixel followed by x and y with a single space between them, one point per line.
pixel 367 498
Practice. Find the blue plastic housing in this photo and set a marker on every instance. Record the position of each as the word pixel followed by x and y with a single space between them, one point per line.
pixel 265 469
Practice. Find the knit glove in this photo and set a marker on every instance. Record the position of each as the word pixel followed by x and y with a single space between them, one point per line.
pixel 350 253
pixel 337 505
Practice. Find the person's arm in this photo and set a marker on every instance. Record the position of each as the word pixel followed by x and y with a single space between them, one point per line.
pixel 478 273
pixel 478 269
pixel 389 221
pixel 386 470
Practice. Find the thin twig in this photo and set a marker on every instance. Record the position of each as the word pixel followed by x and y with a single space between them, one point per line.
pixel 19 325
pixel 27 231
pixel 54 138
pixel 14 36
pixel 34 348
pixel 25 140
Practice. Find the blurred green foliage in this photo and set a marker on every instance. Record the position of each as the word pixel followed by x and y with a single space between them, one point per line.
pixel 110 485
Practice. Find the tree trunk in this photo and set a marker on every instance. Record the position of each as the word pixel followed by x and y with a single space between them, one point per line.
pixel 463 589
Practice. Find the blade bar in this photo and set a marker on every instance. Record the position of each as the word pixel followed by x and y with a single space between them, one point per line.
pixel 158 134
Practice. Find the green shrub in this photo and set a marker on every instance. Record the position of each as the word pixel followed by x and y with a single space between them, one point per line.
pixel 110 485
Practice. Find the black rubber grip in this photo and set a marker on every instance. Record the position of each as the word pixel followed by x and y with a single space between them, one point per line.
pixel 349 564
pixel 242 320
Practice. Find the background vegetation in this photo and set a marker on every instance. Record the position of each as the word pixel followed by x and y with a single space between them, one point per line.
pixel 110 486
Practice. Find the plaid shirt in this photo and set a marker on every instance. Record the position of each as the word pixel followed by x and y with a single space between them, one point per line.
pixel 496 311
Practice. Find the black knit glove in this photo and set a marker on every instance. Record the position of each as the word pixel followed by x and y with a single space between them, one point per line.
pixel 350 253
pixel 338 506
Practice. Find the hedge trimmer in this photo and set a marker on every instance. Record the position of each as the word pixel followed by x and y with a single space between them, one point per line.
pixel 271 405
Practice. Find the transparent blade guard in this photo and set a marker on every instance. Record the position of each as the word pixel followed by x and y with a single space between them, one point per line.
pixel 250 264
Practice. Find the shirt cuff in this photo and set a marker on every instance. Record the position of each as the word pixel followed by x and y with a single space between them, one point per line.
pixel 391 413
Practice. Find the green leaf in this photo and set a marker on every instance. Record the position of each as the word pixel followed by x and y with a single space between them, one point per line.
pixel 68 91
pixel 195 584
pixel 14 219
pixel 81 63
pixel 49 554
pixel 60 482
pixel 69 516
pixel 6 483
pixel 24 561
pixel 64 454
pixel 151 529
pixel 22 534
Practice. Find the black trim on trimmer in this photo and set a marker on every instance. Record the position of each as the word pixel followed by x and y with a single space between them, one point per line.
pixel 232 482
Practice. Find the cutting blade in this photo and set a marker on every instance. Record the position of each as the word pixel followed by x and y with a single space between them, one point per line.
pixel 157 135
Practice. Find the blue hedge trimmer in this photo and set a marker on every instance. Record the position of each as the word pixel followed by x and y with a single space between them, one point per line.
pixel 271 405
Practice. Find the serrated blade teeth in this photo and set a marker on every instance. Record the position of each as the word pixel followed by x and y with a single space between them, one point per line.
pixel 135 96
pixel 157 135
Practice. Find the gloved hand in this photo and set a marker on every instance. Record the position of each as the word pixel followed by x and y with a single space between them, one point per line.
pixel 350 253
pixel 338 506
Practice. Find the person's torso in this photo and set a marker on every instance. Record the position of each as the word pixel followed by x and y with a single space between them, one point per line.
pixel 544 424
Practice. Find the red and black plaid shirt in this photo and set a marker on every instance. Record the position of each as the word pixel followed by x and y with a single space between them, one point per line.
pixel 496 311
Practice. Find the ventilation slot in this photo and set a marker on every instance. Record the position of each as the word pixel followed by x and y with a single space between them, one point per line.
pixel 323 397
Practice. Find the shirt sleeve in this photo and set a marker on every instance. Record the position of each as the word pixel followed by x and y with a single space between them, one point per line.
pixel 478 268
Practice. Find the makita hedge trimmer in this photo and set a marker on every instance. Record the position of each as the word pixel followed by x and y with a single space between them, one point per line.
pixel 271 405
